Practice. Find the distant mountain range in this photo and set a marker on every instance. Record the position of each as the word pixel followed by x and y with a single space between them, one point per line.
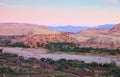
pixel 76 29
pixel 106 26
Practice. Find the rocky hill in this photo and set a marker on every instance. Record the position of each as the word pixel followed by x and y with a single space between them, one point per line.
pixel 102 38
pixel 102 41
pixel 116 28
pixel 92 32
pixel 115 31
pixel 18 28
pixel 39 35
pixel 34 35
pixel 40 40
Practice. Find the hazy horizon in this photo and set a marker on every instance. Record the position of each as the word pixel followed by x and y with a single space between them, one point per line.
pixel 57 25
pixel 60 12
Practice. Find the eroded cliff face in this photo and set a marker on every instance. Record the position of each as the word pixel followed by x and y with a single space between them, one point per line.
pixel 92 32
pixel 102 41
pixel 40 40
pixel 115 31
pixel 116 28
pixel 106 39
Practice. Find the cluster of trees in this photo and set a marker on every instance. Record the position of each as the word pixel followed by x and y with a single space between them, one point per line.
pixel 115 72
pixel 4 42
pixel 63 64
pixel 60 46
pixel 71 47
pixel 8 43
pixel 7 55
pixel 60 65
pixel 6 70
pixel 18 45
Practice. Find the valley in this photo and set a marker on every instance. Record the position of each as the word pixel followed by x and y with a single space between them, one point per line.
pixel 41 52
pixel 59 38
pixel 25 63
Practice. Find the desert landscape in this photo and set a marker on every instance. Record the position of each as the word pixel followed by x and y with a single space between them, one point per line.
pixel 59 38
pixel 36 37
pixel 91 45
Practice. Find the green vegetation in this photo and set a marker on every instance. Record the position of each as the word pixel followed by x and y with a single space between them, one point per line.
pixel 71 47
pixel 63 64
pixel 7 42
pixel 4 42
pixel 60 46
pixel 18 45
pixel 12 66
pixel 7 55
pixel 6 70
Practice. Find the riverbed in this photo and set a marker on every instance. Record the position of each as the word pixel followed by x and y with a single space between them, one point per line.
pixel 40 53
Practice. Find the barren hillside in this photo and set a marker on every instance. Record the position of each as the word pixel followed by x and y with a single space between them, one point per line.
pixel 102 38
pixel 18 28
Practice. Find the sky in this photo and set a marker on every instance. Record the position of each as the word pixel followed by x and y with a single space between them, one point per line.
pixel 60 12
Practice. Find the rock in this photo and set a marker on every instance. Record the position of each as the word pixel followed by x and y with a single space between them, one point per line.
pixel 109 39
pixel 116 28
pixel 40 40
pixel 102 41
